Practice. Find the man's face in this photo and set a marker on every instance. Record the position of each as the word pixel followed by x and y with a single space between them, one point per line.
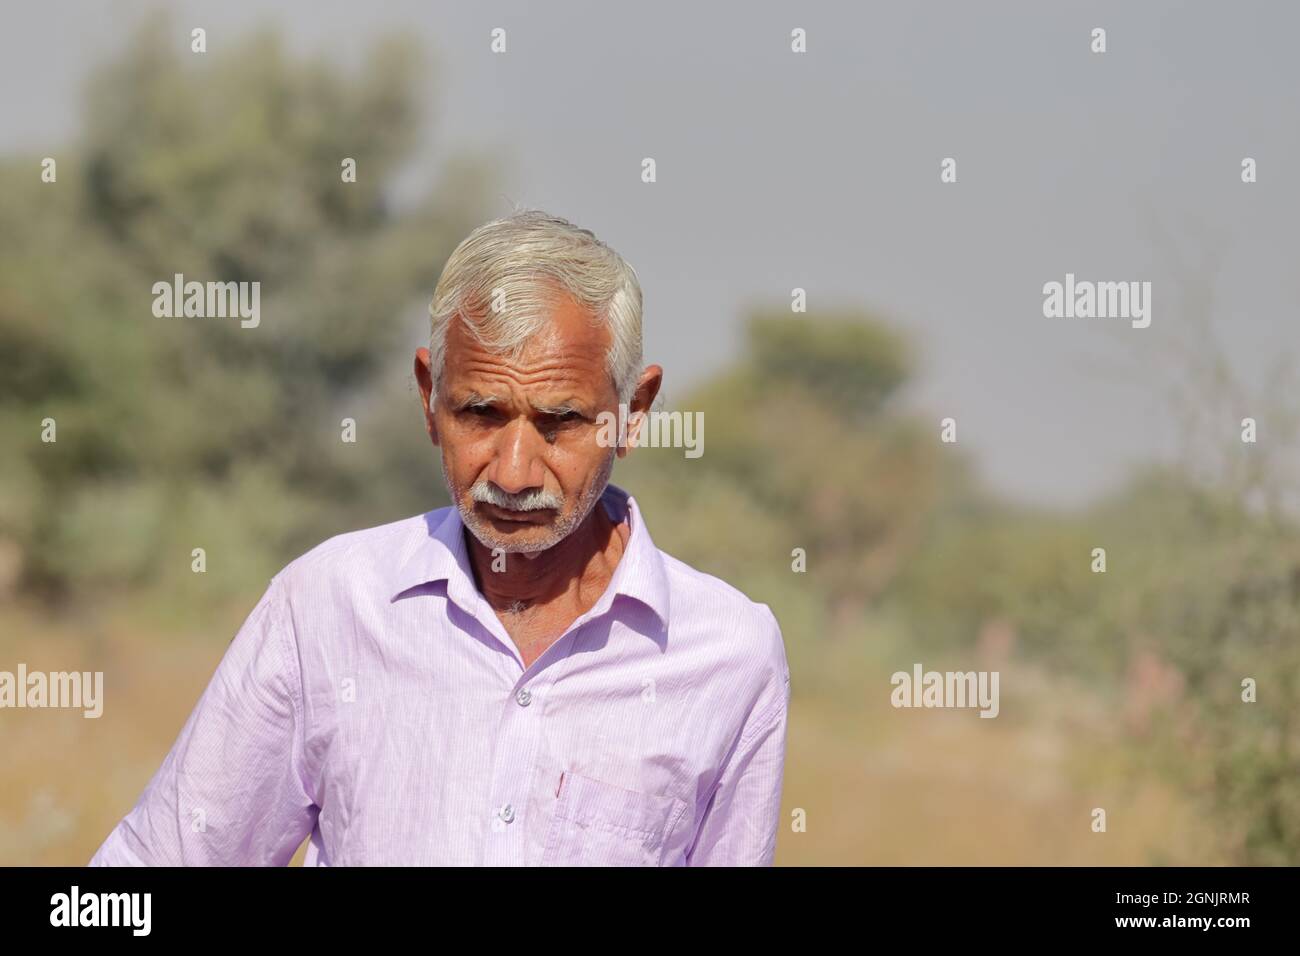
pixel 518 438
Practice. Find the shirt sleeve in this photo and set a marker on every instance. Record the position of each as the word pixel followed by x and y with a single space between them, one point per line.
pixel 740 825
pixel 232 791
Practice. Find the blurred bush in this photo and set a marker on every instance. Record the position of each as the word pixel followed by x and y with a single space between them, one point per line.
pixel 223 168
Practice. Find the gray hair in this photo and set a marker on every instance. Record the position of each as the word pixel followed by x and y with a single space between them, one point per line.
pixel 513 258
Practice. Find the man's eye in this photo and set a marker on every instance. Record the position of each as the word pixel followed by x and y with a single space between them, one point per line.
pixel 563 418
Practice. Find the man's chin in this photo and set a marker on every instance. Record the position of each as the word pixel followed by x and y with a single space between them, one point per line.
pixel 513 537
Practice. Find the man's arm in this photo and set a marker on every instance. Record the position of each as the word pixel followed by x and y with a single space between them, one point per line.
pixel 740 825
pixel 232 791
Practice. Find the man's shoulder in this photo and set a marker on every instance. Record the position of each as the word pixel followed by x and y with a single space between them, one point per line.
pixel 375 550
pixel 749 622
pixel 743 632
pixel 694 584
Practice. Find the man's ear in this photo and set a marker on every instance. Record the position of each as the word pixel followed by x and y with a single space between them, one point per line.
pixel 424 378
pixel 646 390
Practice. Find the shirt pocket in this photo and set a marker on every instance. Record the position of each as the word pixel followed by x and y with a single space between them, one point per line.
pixel 599 824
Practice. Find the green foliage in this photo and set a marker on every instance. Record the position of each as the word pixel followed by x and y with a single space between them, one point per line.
pixel 222 168
pixel 802 450
pixel 839 359
pixel 1199 593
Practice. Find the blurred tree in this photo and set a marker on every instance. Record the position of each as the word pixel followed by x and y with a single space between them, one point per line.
pixel 224 168
pixel 1201 592
pixel 805 447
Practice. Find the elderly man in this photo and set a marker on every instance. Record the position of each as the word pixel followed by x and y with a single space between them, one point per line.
pixel 547 689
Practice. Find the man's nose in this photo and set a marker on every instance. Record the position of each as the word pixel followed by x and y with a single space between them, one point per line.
pixel 518 464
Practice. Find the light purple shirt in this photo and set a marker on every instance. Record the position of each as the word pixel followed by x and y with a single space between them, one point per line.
pixel 373 700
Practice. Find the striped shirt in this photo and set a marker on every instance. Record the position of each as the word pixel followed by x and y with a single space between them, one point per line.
pixel 373 701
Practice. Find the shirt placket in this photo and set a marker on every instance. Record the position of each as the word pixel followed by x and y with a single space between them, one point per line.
pixel 515 753
pixel 518 737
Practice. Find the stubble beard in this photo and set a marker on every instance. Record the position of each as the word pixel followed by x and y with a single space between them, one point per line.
pixel 563 527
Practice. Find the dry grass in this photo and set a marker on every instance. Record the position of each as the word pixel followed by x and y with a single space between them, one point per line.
pixel 881 786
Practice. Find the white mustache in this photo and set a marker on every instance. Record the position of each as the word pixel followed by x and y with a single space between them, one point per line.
pixel 535 500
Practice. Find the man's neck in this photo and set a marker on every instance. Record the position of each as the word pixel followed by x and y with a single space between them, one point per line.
pixel 568 578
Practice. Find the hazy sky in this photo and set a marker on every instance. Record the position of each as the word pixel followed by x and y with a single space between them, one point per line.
pixel 821 170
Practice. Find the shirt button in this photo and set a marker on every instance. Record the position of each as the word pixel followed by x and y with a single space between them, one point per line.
pixel 507 813
pixel 524 697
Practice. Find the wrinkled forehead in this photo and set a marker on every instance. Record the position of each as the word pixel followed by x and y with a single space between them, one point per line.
pixel 568 350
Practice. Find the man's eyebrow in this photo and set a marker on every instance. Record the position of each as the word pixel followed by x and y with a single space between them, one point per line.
pixel 562 407
pixel 474 398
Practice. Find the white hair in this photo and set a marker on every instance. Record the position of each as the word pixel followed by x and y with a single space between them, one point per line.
pixel 502 281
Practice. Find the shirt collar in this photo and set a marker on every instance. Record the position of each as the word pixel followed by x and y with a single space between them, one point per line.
pixel 441 554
